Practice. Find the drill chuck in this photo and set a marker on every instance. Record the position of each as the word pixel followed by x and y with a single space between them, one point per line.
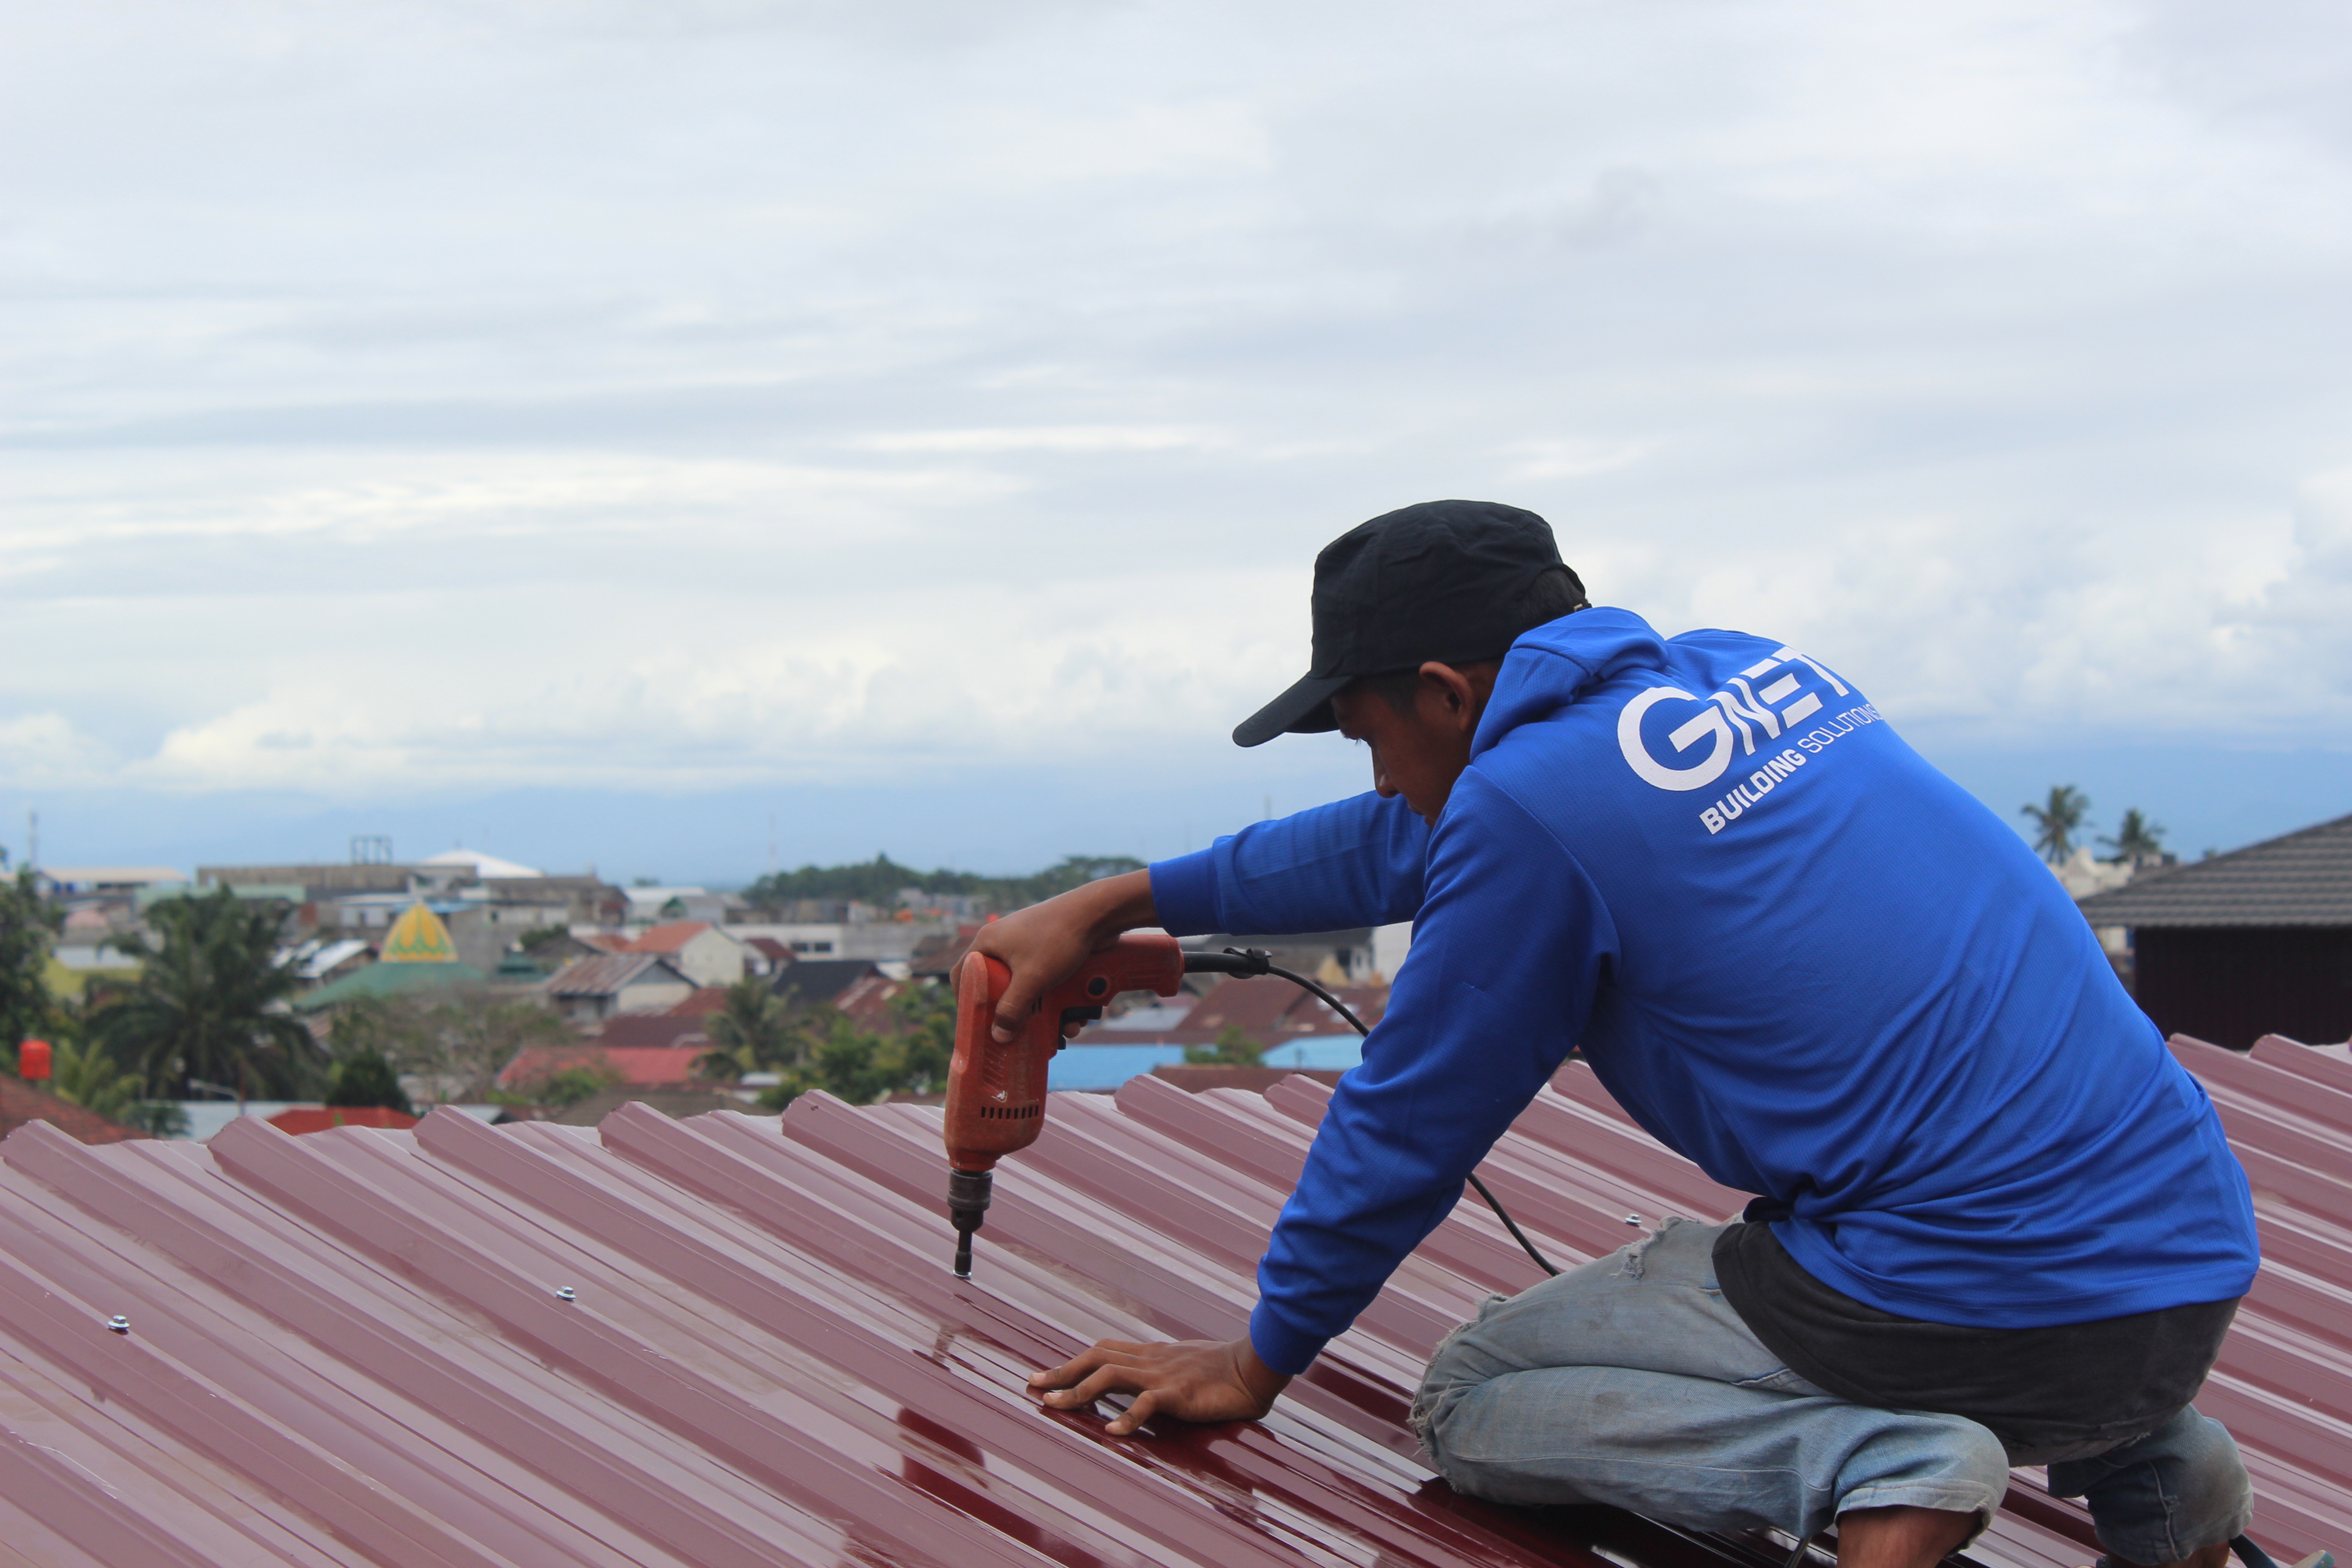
pixel 968 1195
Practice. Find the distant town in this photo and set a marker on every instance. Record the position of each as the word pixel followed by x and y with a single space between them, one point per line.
pixel 370 990
pixel 146 1001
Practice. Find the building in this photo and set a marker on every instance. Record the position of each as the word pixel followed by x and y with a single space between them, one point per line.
pixel 1267 1010
pixel 651 905
pixel 701 952
pixel 416 954
pixel 2254 942
pixel 879 941
pixel 594 989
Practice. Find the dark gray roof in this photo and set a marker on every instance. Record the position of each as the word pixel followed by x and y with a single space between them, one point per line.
pixel 2302 879
pixel 605 975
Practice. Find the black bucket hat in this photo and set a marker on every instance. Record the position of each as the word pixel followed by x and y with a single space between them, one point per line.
pixel 1444 580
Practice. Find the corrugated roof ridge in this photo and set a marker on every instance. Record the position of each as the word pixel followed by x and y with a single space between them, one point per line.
pixel 658 1232
pixel 650 1494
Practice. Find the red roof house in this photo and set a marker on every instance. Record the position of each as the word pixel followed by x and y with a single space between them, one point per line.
pixel 20 1102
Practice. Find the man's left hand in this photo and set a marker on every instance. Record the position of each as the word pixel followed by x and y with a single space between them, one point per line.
pixel 1192 1380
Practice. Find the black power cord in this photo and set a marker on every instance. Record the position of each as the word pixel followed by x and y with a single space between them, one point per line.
pixel 1258 961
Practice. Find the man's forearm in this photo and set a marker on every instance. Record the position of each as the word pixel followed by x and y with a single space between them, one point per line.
pixel 1116 904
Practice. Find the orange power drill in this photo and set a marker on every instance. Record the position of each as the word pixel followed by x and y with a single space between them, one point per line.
pixel 996 1094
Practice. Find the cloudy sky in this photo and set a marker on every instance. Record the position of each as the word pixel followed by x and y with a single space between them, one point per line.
pixel 681 433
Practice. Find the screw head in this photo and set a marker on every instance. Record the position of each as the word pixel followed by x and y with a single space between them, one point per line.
pixel 1633 1220
pixel 119 1323
pixel 566 1293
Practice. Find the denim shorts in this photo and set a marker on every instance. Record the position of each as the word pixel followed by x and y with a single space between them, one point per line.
pixel 1630 1380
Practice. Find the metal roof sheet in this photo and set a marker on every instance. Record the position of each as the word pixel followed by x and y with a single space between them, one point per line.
pixel 2303 877
pixel 731 1340
pixel 607 976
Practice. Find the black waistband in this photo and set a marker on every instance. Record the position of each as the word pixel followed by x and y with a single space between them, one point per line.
pixel 2037 1389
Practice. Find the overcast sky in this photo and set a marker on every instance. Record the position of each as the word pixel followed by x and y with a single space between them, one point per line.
pixel 605 425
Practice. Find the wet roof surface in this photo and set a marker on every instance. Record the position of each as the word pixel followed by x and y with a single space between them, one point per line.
pixel 725 1341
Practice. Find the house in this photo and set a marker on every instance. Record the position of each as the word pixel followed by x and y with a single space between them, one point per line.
pixel 639 1067
pixel 655 1031
pixel 1265 1008
pixel 701 952
pixel 651 905
pixel 812 980
pixel 591 990
pixel 20 1102
pixel 765 955
pixel 2253 943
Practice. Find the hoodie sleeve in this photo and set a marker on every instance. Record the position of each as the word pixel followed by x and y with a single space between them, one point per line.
pixel 1510 946
pixel 1352 863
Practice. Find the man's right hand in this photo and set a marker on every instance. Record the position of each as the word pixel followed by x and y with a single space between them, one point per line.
pixel 1044 945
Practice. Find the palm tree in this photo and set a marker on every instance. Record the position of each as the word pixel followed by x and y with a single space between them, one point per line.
pixel 2135 838
pixel 91 1078
pixel 2056 820
pixel 209 1002
pixel 751 1032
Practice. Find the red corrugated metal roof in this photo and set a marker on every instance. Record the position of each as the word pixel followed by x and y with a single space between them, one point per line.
pixel 305 1118
pixel 725 1341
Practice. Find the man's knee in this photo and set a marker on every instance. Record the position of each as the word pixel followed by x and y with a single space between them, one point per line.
pixel 2179 1490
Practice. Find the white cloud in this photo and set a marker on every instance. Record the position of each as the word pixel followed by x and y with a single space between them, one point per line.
pixel 421 394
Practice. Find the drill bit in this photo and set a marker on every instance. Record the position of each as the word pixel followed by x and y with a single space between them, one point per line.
pixel 967 1195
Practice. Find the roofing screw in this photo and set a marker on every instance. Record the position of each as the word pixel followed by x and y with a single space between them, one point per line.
pixel 1633 1220
pixel 566 1293
pixel 119 1323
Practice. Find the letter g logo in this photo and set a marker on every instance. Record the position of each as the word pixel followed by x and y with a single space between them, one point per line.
pixel 1698 775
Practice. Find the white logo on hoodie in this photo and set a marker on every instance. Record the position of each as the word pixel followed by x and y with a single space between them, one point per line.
pixel 1738 705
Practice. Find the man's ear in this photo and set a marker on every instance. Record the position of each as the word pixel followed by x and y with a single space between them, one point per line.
pixel 1457 697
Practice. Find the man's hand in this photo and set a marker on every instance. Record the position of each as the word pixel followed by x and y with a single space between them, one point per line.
pixel 1192 1380
pixel 1044 943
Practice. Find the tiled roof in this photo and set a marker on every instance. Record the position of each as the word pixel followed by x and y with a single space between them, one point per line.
pixel 670 938
pixel 704 1002
pixel 2302 879
pixel 1266 1008
pixel 644 1067
pixel 20 1102
pixel 725 1341
pixel 638 1029
pixel 603 976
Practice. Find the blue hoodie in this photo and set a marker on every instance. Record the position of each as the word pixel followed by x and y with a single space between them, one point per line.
pixel 1794 952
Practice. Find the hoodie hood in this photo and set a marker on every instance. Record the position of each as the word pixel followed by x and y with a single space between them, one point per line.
pixel 1550 666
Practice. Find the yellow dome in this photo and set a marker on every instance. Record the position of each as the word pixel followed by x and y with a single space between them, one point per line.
pixel 418 937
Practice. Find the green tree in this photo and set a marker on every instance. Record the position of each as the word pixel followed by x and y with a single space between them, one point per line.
pixel 2056 820
pixel 1234 1050
pixel 366 1078
pixel 880 880
pixel 563 1085
pixel 86 1075
pixel 751 1032
pixel 2135 838
pixel 28 923
pixel 458 1042
pixel 862 1066
pixel 210 1002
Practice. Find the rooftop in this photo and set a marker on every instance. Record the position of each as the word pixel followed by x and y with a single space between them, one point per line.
pixel 2303 878
pixel 732 1340
pixel 605 976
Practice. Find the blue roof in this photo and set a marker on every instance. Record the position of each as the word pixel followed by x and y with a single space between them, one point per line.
pixel 1331 1052
pixel 1106 1067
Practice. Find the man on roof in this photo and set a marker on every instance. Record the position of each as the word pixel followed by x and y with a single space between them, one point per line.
pixel 1997 1223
